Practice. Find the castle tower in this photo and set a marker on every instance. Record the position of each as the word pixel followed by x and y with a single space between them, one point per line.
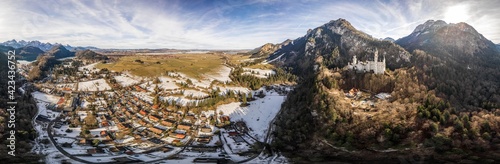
pixel 376 56
pixel 354 60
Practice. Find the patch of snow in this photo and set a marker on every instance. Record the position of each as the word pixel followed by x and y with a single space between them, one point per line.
pixel 94 85
pixel 143 96
pixel 125 80
pixel 222 75
pixel 200 83
pixel 224 90
pixel 45 97
pixel 260 73
pixel 89 68
pixel 167 83
pixel 195 93
pixel 257 115
pixel 24 62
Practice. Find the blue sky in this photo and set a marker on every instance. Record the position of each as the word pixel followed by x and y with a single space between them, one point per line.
pixel 225 24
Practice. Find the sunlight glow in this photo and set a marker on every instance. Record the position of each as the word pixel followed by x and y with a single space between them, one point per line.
pixel 455 14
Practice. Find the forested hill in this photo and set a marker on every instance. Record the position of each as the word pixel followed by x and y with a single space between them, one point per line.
pixel 28 53
pixel 90 55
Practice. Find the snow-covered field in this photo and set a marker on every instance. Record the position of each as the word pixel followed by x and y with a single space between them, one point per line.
pixel 90 68
pixel 257 115
pixel 100 102
pixel 45 97
pixel 194 93
pixel 178 100
pixel 94 85
pixel 43 101
pixel 167 83
pixel 261 73
pixel 126 80
pixel 234 89
pixel 201 83
pixel 221 75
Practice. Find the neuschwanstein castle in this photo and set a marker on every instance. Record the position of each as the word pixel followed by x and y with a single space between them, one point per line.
pixel 376 66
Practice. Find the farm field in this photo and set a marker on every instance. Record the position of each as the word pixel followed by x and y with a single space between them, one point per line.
pixel 192 65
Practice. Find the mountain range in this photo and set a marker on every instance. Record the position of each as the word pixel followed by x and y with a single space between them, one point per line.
pixel 42 46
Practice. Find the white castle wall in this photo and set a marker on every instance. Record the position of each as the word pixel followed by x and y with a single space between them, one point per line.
pixel 375 66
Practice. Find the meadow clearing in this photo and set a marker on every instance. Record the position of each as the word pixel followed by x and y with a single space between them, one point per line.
pixel 192 65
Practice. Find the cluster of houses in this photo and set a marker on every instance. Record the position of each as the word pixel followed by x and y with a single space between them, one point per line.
pixel 141 121
pixel 124 119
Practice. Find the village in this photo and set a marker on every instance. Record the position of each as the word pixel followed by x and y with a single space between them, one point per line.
pixel 94 115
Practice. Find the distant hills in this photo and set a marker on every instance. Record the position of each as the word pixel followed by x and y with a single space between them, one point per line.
pixel 30 50
pixel 59 52
pixel 28 53
pixel 42 46
pixel 90 55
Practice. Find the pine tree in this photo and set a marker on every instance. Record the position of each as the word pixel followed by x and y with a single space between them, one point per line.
pixel 244 99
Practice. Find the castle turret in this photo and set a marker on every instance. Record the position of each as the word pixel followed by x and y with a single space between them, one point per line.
pixel 376 56
pixel 354 60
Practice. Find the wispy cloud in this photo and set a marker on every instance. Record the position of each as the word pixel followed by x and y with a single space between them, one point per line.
pixel 223 24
